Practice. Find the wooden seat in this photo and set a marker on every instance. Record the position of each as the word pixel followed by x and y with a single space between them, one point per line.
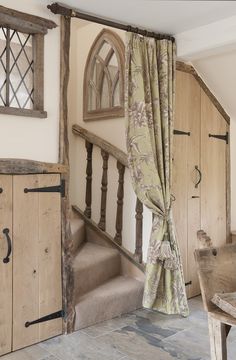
pixel 216 271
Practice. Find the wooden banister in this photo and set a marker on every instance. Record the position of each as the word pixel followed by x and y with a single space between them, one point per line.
pixel 120 198
pixel 89 171
pixel 108 149
pixel 103 144
pixel 102 222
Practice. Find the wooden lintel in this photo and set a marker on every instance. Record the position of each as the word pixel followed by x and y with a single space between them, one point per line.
pixel 181 66
pixel 24 22
pixel 22 166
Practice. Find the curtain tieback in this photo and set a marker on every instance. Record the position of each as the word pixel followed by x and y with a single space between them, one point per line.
pixel 166 254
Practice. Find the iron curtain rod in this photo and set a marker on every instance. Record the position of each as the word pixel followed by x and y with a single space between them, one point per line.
pixel 60 9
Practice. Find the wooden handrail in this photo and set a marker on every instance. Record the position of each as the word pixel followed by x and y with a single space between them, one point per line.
pixel 118 154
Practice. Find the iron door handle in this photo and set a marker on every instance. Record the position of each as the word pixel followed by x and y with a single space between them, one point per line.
pixel 7 258
pixel 200 176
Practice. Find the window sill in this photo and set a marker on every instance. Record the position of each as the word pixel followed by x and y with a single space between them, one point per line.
pixel 22 112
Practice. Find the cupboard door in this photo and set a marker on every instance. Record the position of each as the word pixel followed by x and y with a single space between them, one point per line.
pixel 186 157
pixel 5 268
pixel 213 167
pixel 180 165
pixel 37 288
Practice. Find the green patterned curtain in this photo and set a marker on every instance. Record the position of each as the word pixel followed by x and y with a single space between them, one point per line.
pixel 150 79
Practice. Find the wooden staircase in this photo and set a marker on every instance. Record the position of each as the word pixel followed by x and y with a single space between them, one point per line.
pixel 103 288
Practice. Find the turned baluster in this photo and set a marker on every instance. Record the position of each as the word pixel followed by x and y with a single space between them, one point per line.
pixel 89 171
pixel 120 197
pixel 102 222
pixel 139 231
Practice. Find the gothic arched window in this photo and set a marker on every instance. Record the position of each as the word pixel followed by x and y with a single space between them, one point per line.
pixel 104 78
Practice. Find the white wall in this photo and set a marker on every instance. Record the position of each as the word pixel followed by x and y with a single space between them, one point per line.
pixel 112 130
pixel 33 138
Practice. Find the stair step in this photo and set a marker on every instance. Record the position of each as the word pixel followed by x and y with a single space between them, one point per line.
pixel 77 232
pixel 94 265
pixel 117 296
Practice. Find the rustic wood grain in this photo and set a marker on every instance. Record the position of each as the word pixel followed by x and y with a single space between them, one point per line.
pixel 102 222
pixel 118 154
pixel 5 268
pixel 23 22
pixel 217 333
pixel 23 112
pixel 38 57
pixel 23 166
pixel 120 200
pixel 181 66
pixel 226 302
pixel 67 245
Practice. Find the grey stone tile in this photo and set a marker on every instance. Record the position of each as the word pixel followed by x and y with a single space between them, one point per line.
pixel 192 343
pixel 34 352
pixel 135 344
pixel 80 346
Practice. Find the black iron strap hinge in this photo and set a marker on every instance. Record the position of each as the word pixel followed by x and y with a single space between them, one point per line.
pixel 57 188
pixel 56 315
pixel 188 283
pixel 180 132
pixel 221 137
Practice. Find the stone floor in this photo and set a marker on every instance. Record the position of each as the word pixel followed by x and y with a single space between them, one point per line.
pixel 140 335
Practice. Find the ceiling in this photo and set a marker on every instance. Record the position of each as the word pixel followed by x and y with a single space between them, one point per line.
pixel 170 17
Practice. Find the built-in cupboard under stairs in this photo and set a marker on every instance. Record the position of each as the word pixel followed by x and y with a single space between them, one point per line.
pixel 106 284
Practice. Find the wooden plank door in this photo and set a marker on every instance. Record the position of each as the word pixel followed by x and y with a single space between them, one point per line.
pixel 185 176
pixel 37 290
pixel 213 167
pixel 180 166
pixel 5 267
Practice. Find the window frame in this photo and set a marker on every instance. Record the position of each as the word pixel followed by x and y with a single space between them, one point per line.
pixel 114 40
pixel 38 28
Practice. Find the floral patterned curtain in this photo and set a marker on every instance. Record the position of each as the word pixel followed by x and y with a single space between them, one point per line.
pixel 150 79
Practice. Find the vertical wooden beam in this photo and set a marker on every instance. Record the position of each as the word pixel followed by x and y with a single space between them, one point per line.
pixel 102 222
pixel 67 246
pixel 38 58
pixel 139 232
pixel 89 172
pixel 228 191
pixel 120 198
pixel 8 67
pixel 217 333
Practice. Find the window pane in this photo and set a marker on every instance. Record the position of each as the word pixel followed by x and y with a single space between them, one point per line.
pixel 105 95
pixel 116 95
pixel 2 67
pixel 113 67
pixel 21 70
pixel 104 50
pixel 91 98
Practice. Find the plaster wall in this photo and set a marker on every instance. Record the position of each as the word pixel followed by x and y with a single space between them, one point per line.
pixel 33 138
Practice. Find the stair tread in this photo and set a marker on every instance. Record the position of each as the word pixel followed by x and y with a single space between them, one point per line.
pixel 91 254
pixel 118 284
pixel 117 296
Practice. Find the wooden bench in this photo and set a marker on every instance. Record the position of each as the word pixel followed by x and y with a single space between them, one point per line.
pixel 216 271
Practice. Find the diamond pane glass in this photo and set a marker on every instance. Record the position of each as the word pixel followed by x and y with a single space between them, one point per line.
pixel 2 67
pixel 21 71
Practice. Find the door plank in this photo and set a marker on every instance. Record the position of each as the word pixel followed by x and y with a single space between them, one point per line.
pixel 180 164
pixel 26 259
pixel 213 165
pixel 37 259
pixel 50 285
pixel 5 269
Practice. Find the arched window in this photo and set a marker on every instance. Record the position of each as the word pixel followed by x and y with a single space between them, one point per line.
pixel 104 78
